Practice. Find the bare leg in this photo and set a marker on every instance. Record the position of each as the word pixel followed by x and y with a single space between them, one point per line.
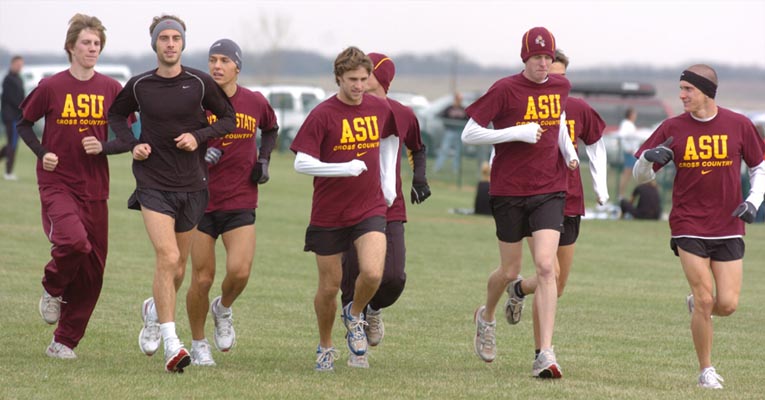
pixel 202 276
pixel 371 250
pixel 325 301
pixel 510 255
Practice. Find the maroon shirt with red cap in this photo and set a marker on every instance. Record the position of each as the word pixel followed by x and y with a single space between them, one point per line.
pixel 707 186
pixel 409 134
pixel 584 124
pixel 73 109
pixel 229 181
pixel 335 132
pixel 519 168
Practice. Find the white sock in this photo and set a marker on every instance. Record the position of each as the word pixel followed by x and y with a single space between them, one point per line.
pixel 168 331
pixel 220 309
pixel 198 343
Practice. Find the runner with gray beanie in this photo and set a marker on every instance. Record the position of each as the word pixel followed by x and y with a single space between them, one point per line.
pixel 236 168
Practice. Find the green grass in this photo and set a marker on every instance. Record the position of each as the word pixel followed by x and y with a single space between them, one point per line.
pixel 622 327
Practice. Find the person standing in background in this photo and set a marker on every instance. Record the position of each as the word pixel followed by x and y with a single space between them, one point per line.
pixel 10 107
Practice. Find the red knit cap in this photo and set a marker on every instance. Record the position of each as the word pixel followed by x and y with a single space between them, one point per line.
pixel 383 69
pixel 537 41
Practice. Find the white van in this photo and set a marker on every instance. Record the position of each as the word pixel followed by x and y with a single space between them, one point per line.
pixel 32 74
pixel 291 103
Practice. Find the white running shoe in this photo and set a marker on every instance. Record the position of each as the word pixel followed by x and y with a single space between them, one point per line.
pixel 689 301
pixel 545 366
pixel 355 361
pixel 176 356
pixel 485 343
pixel 325 359
pixel 224 335
pixel 50 307
pixel 149 337
pixel 709 379
pixel 58 350
pixel 356 335
pixel 201 354
pixel 514 304
pixel 375 328
pixel 10 177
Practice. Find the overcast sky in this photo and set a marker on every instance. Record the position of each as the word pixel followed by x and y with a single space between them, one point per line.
pixel 593 33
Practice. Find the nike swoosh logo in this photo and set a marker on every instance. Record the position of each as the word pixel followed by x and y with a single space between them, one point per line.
pixel 185 86
pixel 706 172
pixel 83 129
pixel 361 154
pixel 226 143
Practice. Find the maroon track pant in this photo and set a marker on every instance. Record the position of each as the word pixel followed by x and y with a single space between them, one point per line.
pixel 394 276
pixel 78 232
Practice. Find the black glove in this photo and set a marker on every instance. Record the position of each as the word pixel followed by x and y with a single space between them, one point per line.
pixel 213 155
pixel 661 154
pixel 746 212
pixel 420 192
pixel 259 173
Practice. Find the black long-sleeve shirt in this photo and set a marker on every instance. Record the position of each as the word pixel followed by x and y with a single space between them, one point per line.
pixel 169 107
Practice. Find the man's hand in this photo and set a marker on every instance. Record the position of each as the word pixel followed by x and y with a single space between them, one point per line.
pixel 49 162
pixel 356 167
pixel 573 164
pixel 746 212
pixel 661 154
pixel 420 192
pixel 186 141
pixel 141 151
pixel 260 173
pixel 92 145
pixel 213 155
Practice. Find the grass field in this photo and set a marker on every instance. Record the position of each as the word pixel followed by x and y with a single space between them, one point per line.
pixel 622 330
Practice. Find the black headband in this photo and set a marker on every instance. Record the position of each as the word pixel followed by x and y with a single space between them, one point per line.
pixel 706 86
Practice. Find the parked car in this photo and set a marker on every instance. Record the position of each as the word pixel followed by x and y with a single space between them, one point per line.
pixel 32 74
pixel 416 102
pixel 291 103
pixel 612 99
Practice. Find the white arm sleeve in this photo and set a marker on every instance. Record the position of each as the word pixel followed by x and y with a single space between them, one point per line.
pixel 389 147
pixel 476 134
pixel 596 152
pixel 309 165
pixel 643 170
pixel 757 182
pixel 566 146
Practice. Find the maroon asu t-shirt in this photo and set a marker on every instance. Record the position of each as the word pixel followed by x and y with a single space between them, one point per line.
pixel 409 134
pixel 584 124
pixel 519 168
pixel 335 132
pixel 73 109
pixel 229 181
pixel 707 186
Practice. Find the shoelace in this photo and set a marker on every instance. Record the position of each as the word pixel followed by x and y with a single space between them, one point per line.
pixel 373 323
pixel 224 325
pixel 356 328
pixel 488 336
pixel 711 375
pixel 53 304
pixel 327 357
pixel 204 350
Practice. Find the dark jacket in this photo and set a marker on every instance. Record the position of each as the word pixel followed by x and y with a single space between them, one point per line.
pixel 13 95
